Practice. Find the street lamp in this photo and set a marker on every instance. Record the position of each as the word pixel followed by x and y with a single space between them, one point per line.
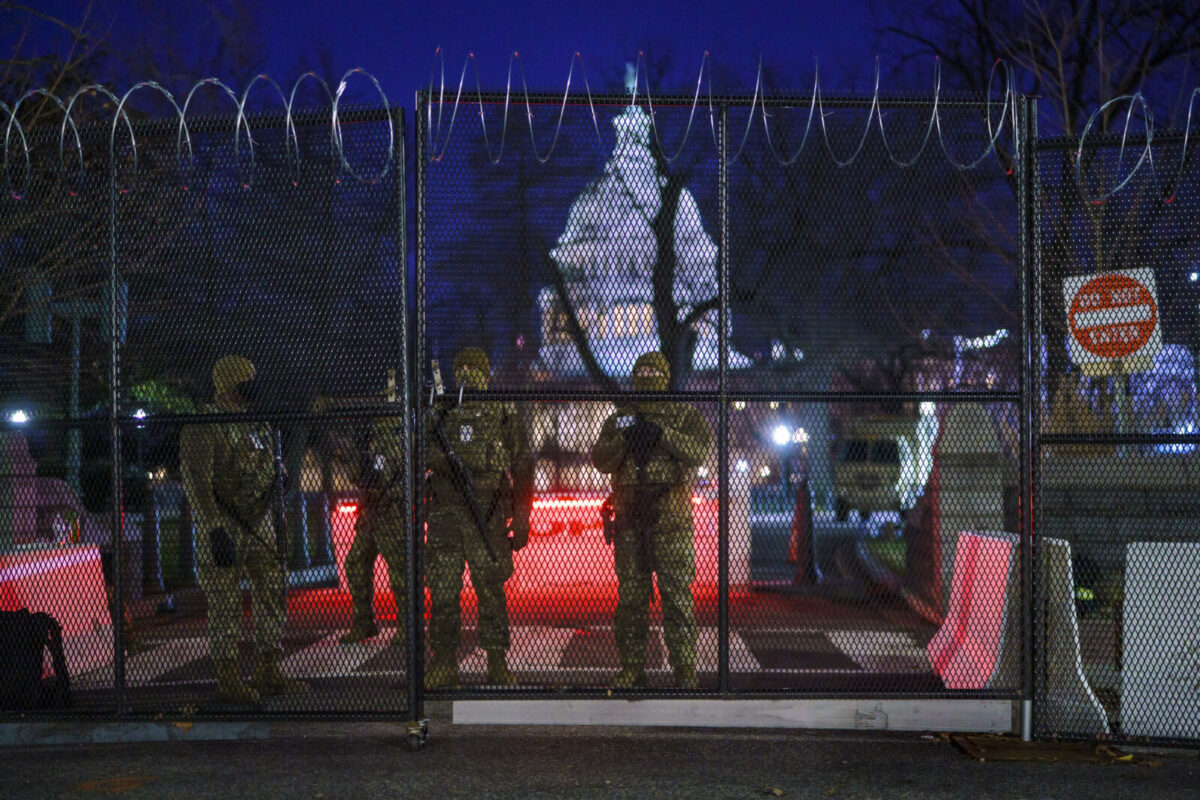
pixel 18 417
pixel 781 435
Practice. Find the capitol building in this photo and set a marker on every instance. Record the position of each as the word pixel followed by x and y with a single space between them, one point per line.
pixel 606 256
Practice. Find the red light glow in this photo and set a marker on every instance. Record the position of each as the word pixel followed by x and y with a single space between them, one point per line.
pixel 347 508
pixel 591 502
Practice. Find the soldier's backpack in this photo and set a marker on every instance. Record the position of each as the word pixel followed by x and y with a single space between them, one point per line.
pixel 24 639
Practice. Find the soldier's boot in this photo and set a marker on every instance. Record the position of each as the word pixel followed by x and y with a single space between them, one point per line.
pixel 230 688
pixel 442 672
pixel 360 631
pixel 268 680
pixel 685 677
pixel 498 673
pixel 631 676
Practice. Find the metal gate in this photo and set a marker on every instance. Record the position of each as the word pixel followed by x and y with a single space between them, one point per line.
pixel 1117 475
pixel 842 317
pixel 156 259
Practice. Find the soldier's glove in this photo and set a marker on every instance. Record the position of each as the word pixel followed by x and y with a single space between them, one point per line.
pixel 640 438
pixel 224 551
pixel 518 534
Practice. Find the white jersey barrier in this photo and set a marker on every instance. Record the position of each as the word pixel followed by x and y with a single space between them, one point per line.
pixel 1160 687
pixel 978 645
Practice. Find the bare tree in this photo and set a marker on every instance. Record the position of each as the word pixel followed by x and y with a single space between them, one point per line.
pixel 1076 56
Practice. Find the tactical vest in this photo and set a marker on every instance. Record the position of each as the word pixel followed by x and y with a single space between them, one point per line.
pixel 662 468
pixel 476 433
pixel 244 480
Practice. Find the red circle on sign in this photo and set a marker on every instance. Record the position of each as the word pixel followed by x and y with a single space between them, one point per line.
pixel 1112 316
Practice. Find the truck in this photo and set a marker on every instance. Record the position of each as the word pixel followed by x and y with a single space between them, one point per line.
pixel 875 466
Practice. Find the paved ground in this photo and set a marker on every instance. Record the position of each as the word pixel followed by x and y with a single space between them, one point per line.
pixel 837 637
pixel 328 760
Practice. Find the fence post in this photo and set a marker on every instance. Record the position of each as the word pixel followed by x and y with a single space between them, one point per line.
pixel 114 397
pixel 416 664
pixel 1027 234
pixel 723 416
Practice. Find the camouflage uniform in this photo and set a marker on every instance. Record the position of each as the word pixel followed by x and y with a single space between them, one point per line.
pixel 491 444
pixel 379 529
pixel 654 531
pixel 228 475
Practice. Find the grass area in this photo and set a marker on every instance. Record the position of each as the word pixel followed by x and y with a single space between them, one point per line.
pixel 889 553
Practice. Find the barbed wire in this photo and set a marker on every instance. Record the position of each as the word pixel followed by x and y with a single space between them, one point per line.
pixel 998 113
pixel 1145 159
pixel 17 145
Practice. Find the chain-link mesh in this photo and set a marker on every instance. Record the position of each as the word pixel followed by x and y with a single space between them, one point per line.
pixel 57 548
pixel 1117 479
pixel 262 456
pixel 812 489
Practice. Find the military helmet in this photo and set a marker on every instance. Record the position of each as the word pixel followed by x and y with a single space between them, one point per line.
pixel 229 371
pixel 472 357
pixel 656 361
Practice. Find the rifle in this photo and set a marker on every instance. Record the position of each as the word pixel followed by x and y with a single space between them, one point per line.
pixel 278 514
pixel 463 482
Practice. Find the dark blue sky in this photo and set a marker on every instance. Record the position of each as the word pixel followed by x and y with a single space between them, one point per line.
pixel 397 41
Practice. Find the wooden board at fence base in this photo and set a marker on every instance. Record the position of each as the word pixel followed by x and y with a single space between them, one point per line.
pixel 1113 321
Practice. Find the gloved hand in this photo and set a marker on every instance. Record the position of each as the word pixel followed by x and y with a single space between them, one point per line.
pixel 518 534
pixel 640 438
pixel 224 551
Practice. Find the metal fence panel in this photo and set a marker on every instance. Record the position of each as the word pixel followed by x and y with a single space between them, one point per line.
pixel 846 335
pixel 1117 478
pixel 270 238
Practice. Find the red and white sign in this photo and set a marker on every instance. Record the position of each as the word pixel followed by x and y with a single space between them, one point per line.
pixel 1113 321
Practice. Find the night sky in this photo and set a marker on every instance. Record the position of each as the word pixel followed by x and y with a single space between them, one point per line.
pixel 398 41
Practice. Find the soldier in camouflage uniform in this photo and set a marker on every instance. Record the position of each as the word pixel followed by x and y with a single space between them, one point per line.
pixel 229 476
pixel 489 441
pixel 651 450
pixel 379 529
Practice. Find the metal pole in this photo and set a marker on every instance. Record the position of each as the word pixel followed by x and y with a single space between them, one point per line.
pixel 416 661
pixel 74 435
pixel 114 398
pixel 1030 364
pixel 723 418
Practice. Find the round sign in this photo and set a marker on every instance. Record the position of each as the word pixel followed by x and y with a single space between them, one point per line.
pixel 1112 316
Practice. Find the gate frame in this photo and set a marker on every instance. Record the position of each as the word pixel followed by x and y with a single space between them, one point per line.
pixel 1024 126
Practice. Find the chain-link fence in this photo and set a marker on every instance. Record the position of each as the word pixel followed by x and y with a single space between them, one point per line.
pixel 204 347
pixel 702 401
pixel 1116 494
pixel 811 489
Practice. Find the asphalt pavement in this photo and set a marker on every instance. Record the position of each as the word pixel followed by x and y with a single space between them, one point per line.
pixel 372 760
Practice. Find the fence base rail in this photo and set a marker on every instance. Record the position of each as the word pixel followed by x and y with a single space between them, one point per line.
pixel 966 715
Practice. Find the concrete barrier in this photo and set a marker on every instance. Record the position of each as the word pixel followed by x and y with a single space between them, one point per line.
pixel 973 647
pixel 67 583
pixel 1160 688
pixel 1063 691
pixel 979 645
